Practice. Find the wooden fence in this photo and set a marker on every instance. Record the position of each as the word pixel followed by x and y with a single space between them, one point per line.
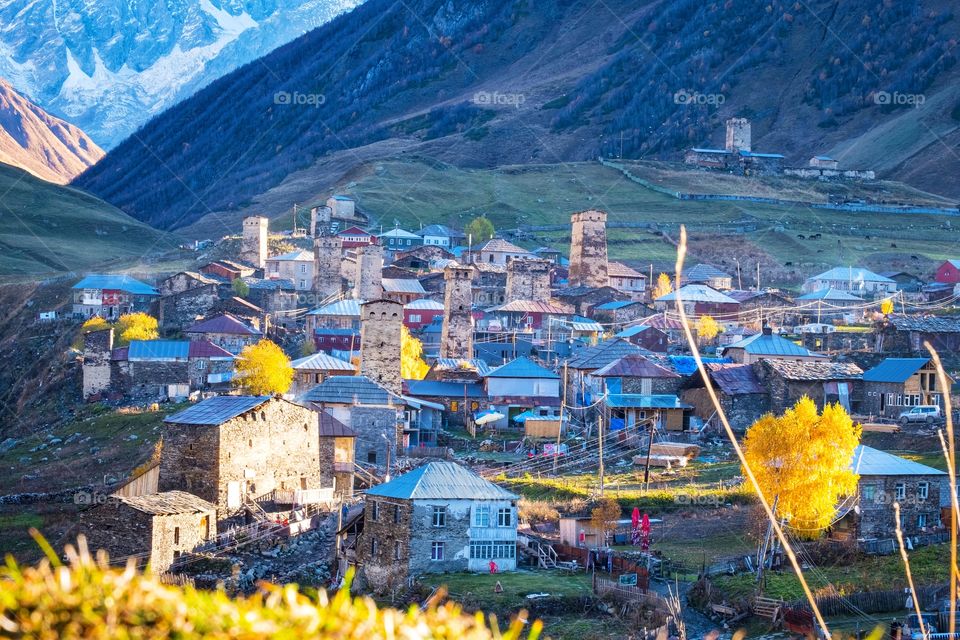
pixel 567 553
pixel 427 452
pixel 873 601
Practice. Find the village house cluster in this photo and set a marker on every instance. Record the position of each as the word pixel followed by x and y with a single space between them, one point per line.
pixel 530 346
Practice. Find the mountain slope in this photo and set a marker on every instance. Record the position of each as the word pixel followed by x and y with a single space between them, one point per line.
pixel 47 229
pixel 47 147
pixel 108 66
pixel 488 83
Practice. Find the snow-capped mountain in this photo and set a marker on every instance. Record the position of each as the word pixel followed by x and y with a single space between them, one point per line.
pixel 111 65
pixel 46 146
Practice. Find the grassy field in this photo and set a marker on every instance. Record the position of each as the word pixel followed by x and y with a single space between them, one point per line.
pixel 47 229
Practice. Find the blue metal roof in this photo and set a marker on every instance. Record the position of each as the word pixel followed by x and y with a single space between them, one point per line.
pixel 762 344
pixel 629 332
pixel 117 282
pixel 753 154
pixel 217 410
pixel 445 389
pixel 895 369
pixel 868 461
pixel 616 304
pixel 441 480
pixel 640 401
pixel 686 365
pixel 522 367
pixel 158 350
pixel 830 294
pixel 347 307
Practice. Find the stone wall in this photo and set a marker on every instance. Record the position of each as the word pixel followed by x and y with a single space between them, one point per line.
pixel 253 246
pixel 876 513
pixel 384 548
pixel 528 279
pixel 117 528
pixel 179 310
pixel 371 424
pixel 327 252
pixel 381 323
pixel 179 533
pixel 658 386
pixel 320 217
pixel 368 277
pixel 148 380
pixel 336 463
pixel 588 249
pixel 97 349
pixel 456 336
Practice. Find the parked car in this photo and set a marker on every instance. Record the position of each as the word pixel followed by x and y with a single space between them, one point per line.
pixel 928 413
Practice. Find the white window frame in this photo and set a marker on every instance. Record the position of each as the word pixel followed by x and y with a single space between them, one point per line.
pixel 481 515
pixel 436 551
pixel 505 517
pixel 900 491
pixel 439 518
pixel 923 490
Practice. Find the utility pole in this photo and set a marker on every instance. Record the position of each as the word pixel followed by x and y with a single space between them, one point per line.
pixel 600 429
pixel 563 406
pixel 646 471
pixel 758 277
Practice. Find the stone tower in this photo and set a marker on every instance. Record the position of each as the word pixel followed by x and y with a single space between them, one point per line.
pixel 253 249
pixel 97 349
pixel 326 267
pixel 320 217
pixel 528 279
pixel 738 134
pixel 368 277
pixel 456 337
pixel 588 249
pixel 380 331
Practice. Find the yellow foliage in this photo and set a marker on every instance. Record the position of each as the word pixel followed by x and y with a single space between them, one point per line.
pixel 663 287
pixel 412 366
pixel 886 307
pixel 707 328
pixel 95 323
pixel 802 459
pixel 88 599
pixel 264 369
pixel 136 326
pixel 604 516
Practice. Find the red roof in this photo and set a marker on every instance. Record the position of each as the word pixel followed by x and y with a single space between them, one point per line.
pixel 634 366
pixel 204 349
pixel 330 427
pixel 225 323
pixel 354 231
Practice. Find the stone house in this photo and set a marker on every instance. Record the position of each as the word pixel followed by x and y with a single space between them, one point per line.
pixel 627 280
pixel 177 311
pixel 708 275
pixel 110 296
pixel 156 529
pixel 885 479
pixel 738 389
pixel 488 286
pixel 619 311
pixel 421 259
pixel 823 382
pixel 498 251
pixel 582 387
pixel 225 331
pixel 274 297
pixel 337 450
pixel 636 373
pixel 311 370
pixel 856 280
pixel 229 270
pixel 295 266
pixel 438 518
pixel 896 384
pixel 185 281
pixel 233 449
pixel 646 337
pixel 766 345
pixel 584 299
pixel 905 335
pixel 698 300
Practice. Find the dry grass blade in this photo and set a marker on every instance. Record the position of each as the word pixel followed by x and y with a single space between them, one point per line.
pixel 681 253
pixel 951 455
pixel 906 566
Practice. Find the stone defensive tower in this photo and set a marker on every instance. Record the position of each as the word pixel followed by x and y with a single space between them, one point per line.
pixel 738 134
pixel 326 267
pixel 253 249
pixel 320 217
pixel 456 337
pixel 528 279
pixel 588 249
pixel 380 331
pixel 368 277
pixel 97 349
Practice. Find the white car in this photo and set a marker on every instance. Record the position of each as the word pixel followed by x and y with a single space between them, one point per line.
pixel 928 413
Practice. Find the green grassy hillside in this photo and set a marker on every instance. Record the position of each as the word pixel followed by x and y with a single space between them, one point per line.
pixel 47 229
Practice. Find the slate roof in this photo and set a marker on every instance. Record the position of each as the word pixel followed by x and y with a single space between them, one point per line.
pixel 321 361
pixel 533 306
pixel 352 390
pixel 271 284
pixel 640 401
pixel 603 354
pixel 500 245
pixel 634 366
pixel 620 270
pixel 330 427
pixel 868 461
pixel 444 389
pixel 702 273
pixel 402 285
pixel 167 503
pixel 441 480
pixel 224 323
pixel 816 370
pixel 734 379
pixel 345 307
pixel 830 294
pixel 698 293
pixel 522 367
pixel 895 369
pixel 846 274
pixel 926 324
pixel 118 282
pixel 764 344
pixel 216 410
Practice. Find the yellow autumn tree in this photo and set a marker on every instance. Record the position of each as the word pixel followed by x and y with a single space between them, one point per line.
pixel 604 517
pixel 412 366
pixel 886 307
pixel 802 459
pixel 707 328
pixel 94 323
pixel 263 369
pixel 663 287
pixel 136 326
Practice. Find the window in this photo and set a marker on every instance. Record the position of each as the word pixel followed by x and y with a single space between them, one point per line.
pixel 505 517
pixel 436 551
pixel 414 317
pixel 303 268
pixel 923 490
pixel 376 511
pixel 481 516
pixel 868 493
pixel 374 547
pixel 201 364
pixel 372 457
pixel 439 516
pixel 454 405
pixel 901 491
pixel 396 550
pixel 488 549
pixel 921 521
pixel 176 535
pixel 396 513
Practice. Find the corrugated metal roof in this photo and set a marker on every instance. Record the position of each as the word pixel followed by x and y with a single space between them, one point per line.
pixel 441 480
pixel 167 503
pixel 534 306
pixel 763 344
pixel 440 231
pixel 158 350
pixel 830 294
pixel 399 233
pixel 522 367
pixel 602 354
pixel 346 307
pixel 424 304
pixel 224 323
pixel 703 272
pixel 578 323
pixel 754 154
pixel 698 293
pixel 639 401
pixel 117 282
pixel 501 246
pixel 855 274
pixel 629 332
pixel 895 369
pixel 706 150
pixel 454 364
pixel 321 361
pixel 205 349
pixel 217 410
pixel 445 389
pixel 300 255
pixel 634 366
pixel 356 390
pixel 868 461
pixel 402 285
